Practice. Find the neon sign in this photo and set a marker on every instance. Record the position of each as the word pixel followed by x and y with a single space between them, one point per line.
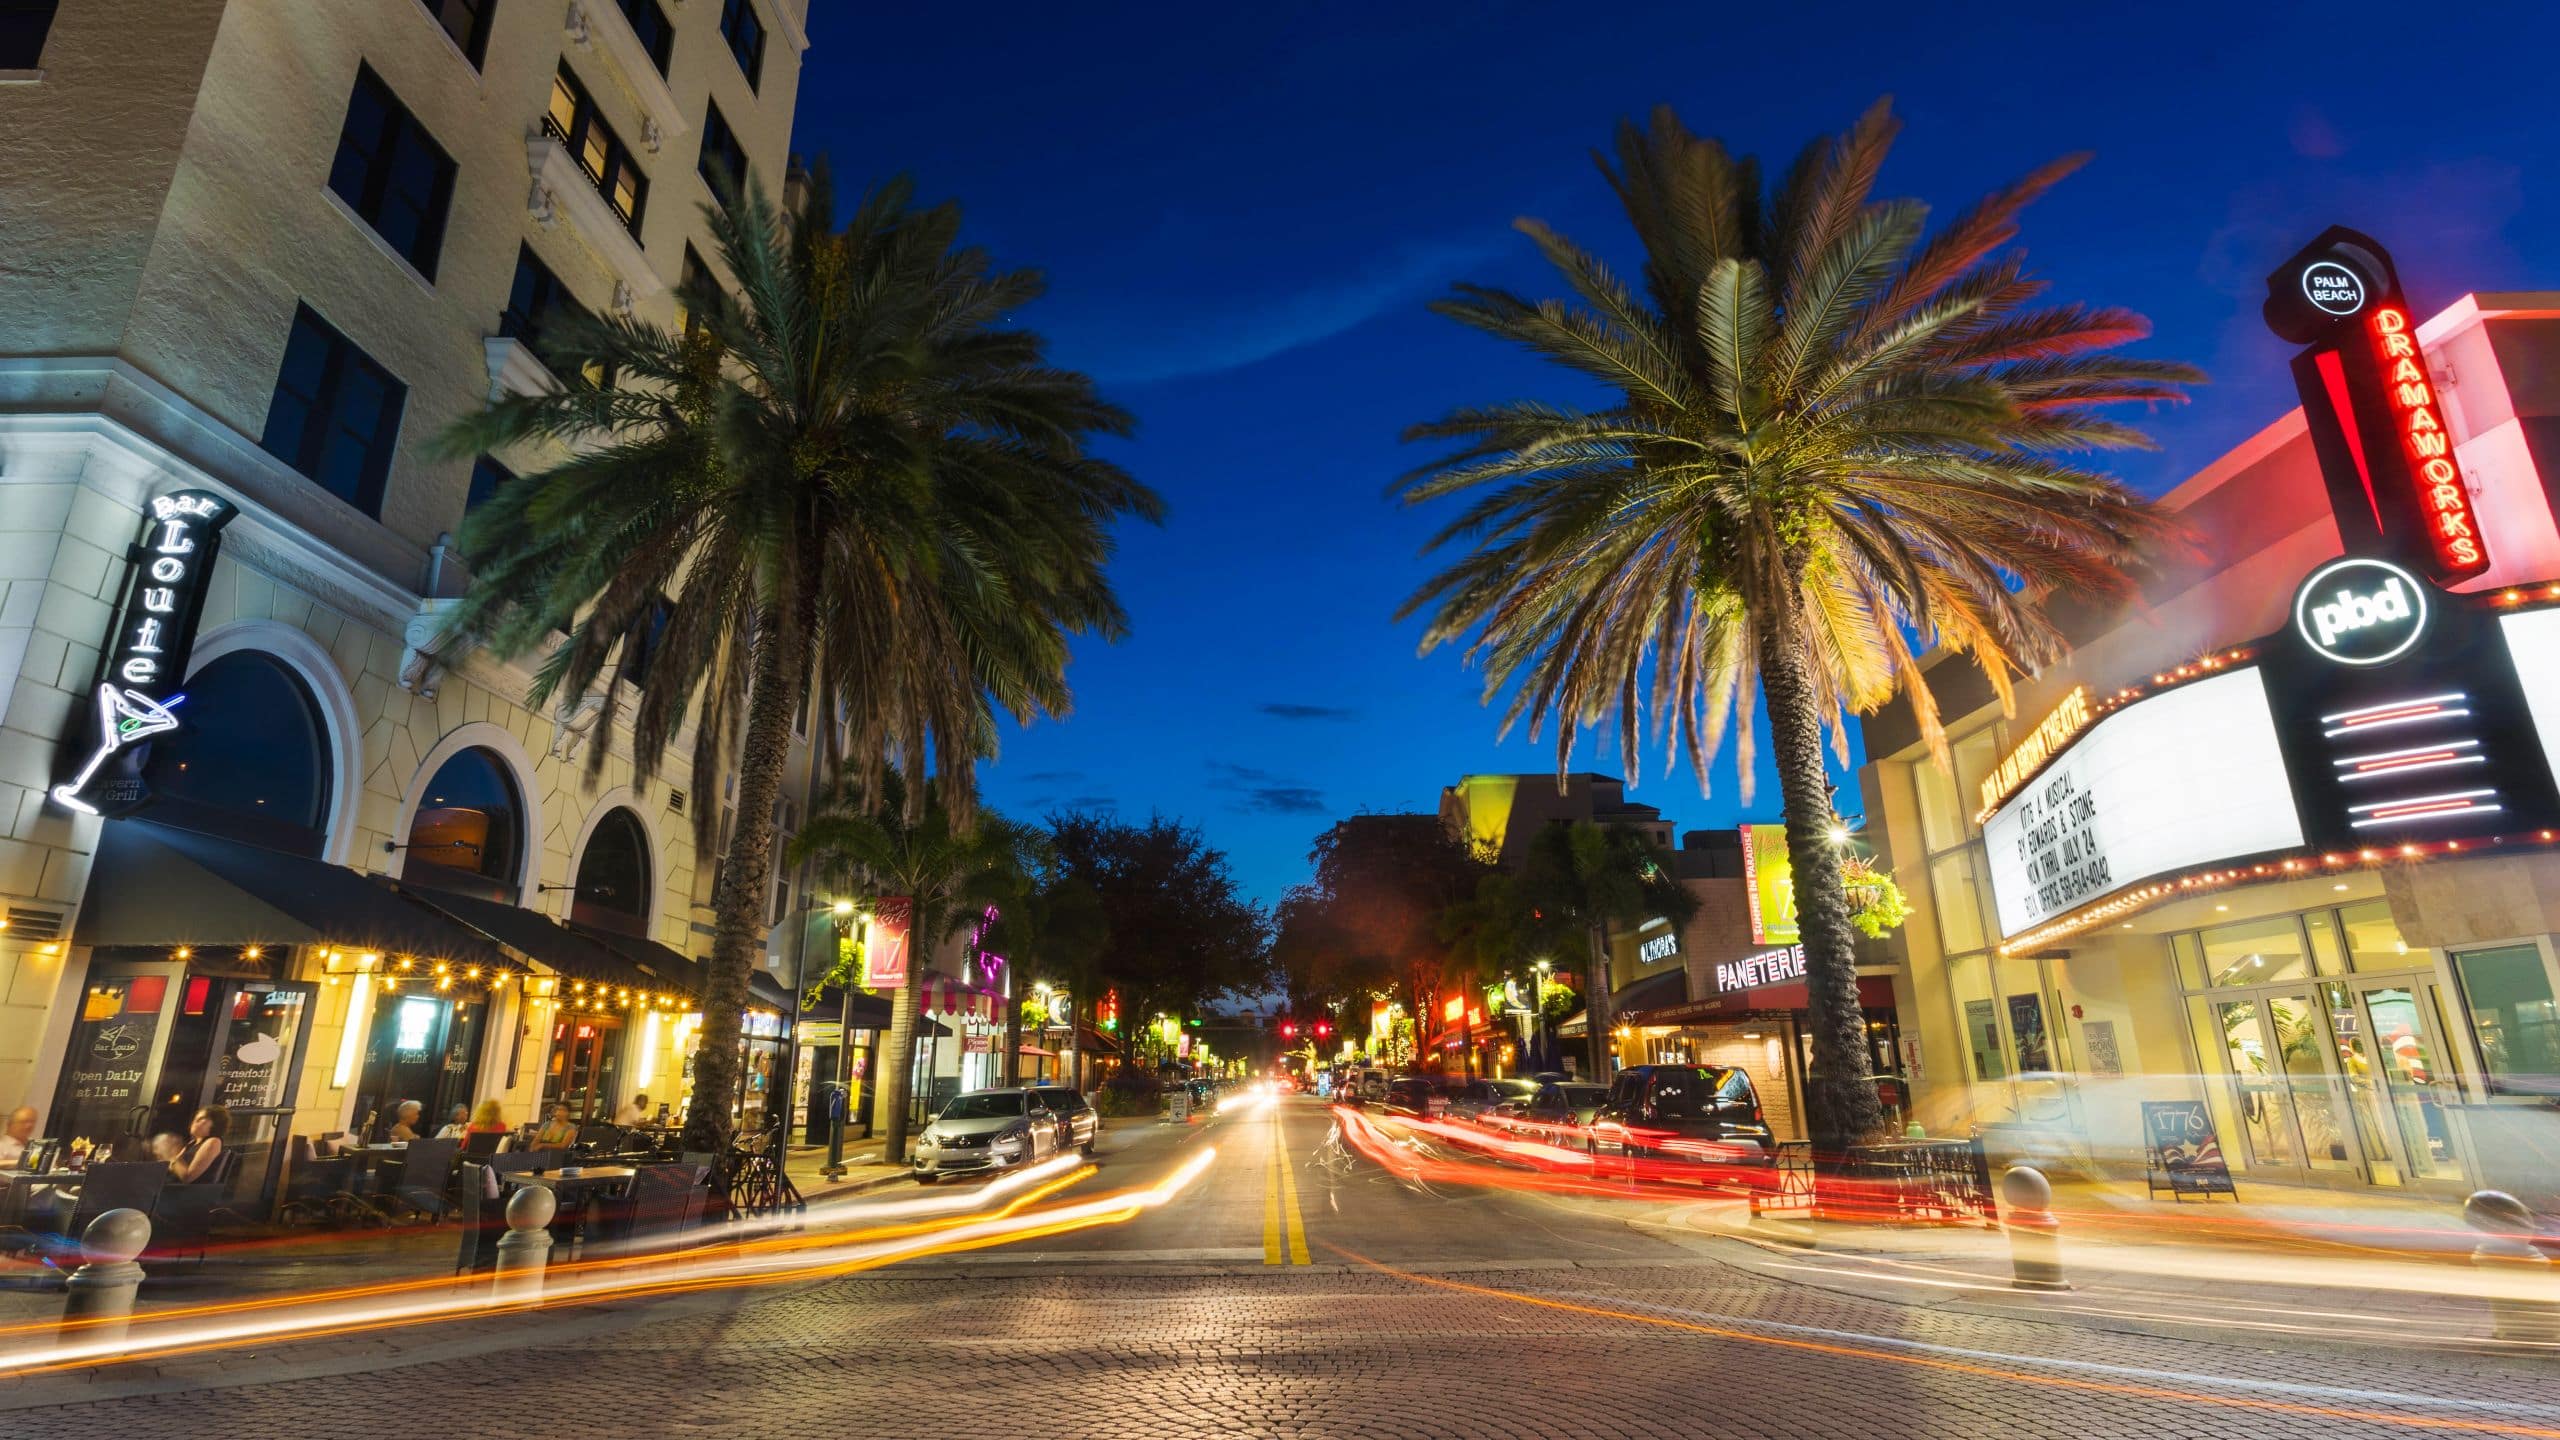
pixel 2443 501
pixel 2055 730
pixel 146 656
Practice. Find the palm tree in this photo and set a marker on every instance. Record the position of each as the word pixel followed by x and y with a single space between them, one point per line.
pixel 884 853
pixel 853 475
pixel 1829 435
pixel 1579 880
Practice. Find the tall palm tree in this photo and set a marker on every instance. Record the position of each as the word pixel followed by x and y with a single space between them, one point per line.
pixel 882 852
pixel 1830 434
pixel 853 474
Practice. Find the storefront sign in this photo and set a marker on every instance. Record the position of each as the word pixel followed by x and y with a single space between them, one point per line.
pixel 2360 611
pixel 2186 776
pixel 884 948
pixel 1776 967
pixel 2053 732
pixel 144 659
pixel 2376 424
pixel 2185 1156
pixel 1659 948
pixel 1769 880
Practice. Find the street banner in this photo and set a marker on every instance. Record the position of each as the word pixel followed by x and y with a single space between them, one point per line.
pixel 1769 879
pixel 884 951
pixel 2185 1156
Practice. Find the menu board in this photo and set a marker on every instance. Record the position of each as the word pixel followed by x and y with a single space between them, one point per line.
pixel 2185 778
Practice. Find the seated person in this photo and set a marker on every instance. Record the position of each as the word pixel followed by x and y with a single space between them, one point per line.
pixel 166 1145
pixel 558 1132
pixel 406 1121
pixel 634 1112
pixel 457 1124
pixel 19 1133
pixel 489 1119
pixel 194 1160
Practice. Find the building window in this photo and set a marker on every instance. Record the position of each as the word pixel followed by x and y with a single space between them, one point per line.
pixel 692 281
pixel 613 875
pixel 574 121
pixel 467 22
pixel 657 33
pixel 23 26
pixel 640 647
pixel 2508 994
pixel 535 300
pixel 252 760
pixel 721 153
pixel 740 26
pixel 487 477
pixel 468 833
pixel 335 413
pixel 391 172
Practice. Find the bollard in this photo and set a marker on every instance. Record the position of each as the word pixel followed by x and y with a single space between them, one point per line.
pixel 2035 1244
pixel 102 1289
pixel 526 1247
pixel 2504 1222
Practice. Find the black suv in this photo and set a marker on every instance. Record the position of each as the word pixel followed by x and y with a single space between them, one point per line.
pixel 1688 1112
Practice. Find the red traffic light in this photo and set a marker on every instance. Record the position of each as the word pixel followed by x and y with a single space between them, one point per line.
pixel 1323 1028
pixel 1288 1029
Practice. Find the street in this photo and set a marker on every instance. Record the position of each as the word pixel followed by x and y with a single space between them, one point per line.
pixel 1297 1289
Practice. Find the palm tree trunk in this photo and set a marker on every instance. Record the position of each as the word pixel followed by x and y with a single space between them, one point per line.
pixel 892 1090
pixel 1595 1009
pixel 1840 1092
pixel 1012 1070
pixel 739 903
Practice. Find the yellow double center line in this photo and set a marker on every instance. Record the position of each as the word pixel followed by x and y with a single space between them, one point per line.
pixel 1284 1229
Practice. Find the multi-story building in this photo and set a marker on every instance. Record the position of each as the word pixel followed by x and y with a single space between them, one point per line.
pixel 2264 869
pixel 258 257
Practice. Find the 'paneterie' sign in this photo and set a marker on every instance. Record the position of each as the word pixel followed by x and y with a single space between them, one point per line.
pixel 1775 967
pixel 145 660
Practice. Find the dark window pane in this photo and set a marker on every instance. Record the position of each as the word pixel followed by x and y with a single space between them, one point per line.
pixel 391 172
pixel 23 24
pixel 487 476
pixel 468 832
pixel 334 414
pixel 574 121
pixel 640 647
pixel 723 160
pixel 467 21
pixel 251 759
pixel 657 33
pixel 744 30
pixel 613 873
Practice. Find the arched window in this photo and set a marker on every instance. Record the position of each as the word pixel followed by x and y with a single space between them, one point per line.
pixel 613 875
pixel 468 834
pixel 249 759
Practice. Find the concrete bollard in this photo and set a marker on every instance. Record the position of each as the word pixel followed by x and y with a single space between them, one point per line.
pixel 2504 1222
pixel 102 1289
pixel 2035 1237
pixel 526 1247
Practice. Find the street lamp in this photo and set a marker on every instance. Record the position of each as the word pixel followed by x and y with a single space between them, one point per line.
pixel 847 916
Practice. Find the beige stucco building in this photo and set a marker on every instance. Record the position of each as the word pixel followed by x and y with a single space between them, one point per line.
pixel 268 252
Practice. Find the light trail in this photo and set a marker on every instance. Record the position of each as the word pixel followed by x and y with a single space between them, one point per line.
pixel 1873 1349
pixel 722 1268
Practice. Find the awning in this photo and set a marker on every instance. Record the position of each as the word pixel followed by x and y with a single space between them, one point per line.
pixel 1036 1050
pixel 1576 1025
pixel 566 952
pixel 764 989
pixel 1653 992
pixel 659 967
pixel 154 886
pixel 949 998
pixel 868 1012
pixel 1875 992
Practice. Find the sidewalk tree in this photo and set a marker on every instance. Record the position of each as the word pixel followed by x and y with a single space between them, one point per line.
pixel 1577 882
pixel 877 849
pixel 1176 933
pixel 1828 435
pixel 1049 926
pixel 855 473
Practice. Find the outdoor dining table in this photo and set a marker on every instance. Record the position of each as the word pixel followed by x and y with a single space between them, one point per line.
pixel 23 1183
pixel 576 1193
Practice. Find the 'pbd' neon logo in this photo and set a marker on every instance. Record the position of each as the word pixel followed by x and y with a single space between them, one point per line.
pixel 2360 611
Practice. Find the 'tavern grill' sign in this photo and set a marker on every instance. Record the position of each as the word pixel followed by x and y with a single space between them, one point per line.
pixel 145 659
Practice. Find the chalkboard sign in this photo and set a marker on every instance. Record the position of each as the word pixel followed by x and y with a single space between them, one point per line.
pixel 2185 1156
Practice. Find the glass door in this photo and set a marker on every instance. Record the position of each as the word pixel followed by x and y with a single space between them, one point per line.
pixel 2394 1065
pixel 2272 1045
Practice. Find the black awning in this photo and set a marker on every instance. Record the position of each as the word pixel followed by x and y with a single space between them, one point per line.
pixel 155 886
pixel 565 951
pixel 869 1011
pixel 764 989
pixel 662 968
pixel 1671 987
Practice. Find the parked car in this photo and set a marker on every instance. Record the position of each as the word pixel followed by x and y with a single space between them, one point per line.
pixel 1416 1096
pixel 1562 1103
pixel 1693 1112
pixel 988 1130
pixel 1473 1099
pixel 1084 1124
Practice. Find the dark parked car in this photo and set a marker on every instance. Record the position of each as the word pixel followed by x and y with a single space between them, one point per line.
pixel 1692 1112
pixel 1416 1096
pixel 1070 1106
pixel 1474 1098
pixel 1565 1103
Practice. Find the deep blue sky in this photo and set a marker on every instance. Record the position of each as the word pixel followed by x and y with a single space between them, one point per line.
pixel 1242 210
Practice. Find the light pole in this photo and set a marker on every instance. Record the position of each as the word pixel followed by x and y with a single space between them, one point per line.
pixel 845 914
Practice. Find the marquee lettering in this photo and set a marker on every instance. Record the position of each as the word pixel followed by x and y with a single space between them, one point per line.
pixel 2452 529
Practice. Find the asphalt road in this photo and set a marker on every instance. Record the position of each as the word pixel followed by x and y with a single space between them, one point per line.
pixel 1298 1290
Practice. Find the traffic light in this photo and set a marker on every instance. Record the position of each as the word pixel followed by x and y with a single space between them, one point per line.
pixel 1323 1028
pixel 1288 1029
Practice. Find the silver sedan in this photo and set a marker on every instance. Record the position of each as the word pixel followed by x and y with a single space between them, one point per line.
pixel 986 1130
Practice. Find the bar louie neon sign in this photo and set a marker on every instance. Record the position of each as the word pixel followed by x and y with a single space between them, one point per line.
pixel 145 660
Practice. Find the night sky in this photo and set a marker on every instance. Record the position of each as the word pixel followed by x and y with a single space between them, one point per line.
pixel 1243 209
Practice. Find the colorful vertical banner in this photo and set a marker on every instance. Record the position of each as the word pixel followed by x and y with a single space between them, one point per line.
pixel 884 951
pixel 1769 879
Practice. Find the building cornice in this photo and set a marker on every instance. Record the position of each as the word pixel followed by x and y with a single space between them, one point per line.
pixel 559 185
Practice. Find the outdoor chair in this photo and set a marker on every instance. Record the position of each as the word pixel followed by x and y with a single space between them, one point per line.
pixel 664 1202
pixel 182 1215
pixel 484 1143
pixel 518 1162
pixel 114 1185
pixel 483 1220
pixel 321 1189
pixel 425 1175
pixel 597 1137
